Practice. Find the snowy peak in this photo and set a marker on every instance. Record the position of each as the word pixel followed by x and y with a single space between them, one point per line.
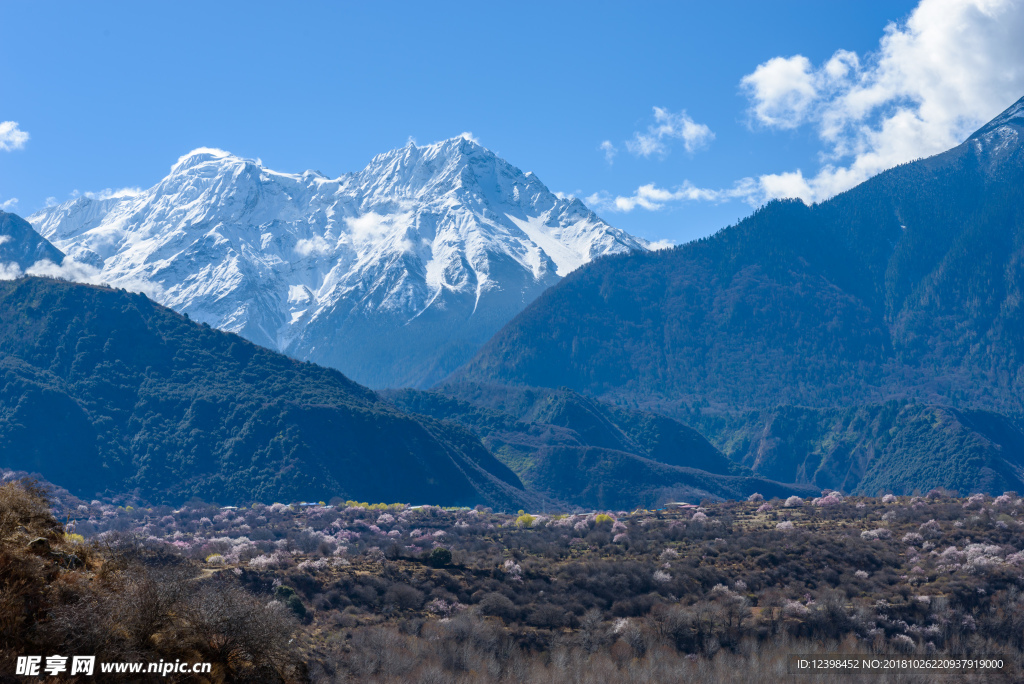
pixel 1012 116
pixel 1001 137
pixel 445 167
pixel 395 274
pixel 200 156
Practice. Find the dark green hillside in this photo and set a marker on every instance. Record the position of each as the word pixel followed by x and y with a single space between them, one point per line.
pixel 596 424
pixel 586 453
pixel 103 390
pixel 596 478
pixel 898 447
pixel 909 285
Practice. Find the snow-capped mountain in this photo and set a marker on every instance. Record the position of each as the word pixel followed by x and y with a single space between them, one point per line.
pixel 394 275
pixel 1001 136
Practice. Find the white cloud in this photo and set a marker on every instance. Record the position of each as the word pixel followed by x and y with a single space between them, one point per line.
pixel 369 227
pixel 466 135
pixel 609 150
pixel 69 269
pixel 660 245
pixel 8 205
pixel 785 90
pixel 110 194
pixel 653 198
pixel 11 137
pixel 78 272
pixel 314 245
pixel 201 151
pixel 952 66
pixel 374 228
pixel 669 126
pixel 949 68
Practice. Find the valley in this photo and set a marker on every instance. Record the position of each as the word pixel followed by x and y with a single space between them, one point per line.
pixel 431 421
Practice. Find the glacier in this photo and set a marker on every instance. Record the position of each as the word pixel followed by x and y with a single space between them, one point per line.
pixel 395 274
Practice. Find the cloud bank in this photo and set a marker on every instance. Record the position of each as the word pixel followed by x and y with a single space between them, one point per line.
pixel 935 78
pixel 952 66
pixel 78 272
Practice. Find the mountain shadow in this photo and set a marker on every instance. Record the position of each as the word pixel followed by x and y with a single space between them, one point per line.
pixel 104 391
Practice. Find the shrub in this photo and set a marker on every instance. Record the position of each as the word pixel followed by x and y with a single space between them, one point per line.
pixel 547 616
pixel 525 521
pixel 404 596
pixel 497 605
pixel 912 538
pixel 879 533
pixel 829 500
pixel 795 609
pixel 439 557
pixel 903 644
pixel 287 596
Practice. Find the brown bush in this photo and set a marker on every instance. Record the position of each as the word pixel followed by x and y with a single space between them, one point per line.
pixel 121 604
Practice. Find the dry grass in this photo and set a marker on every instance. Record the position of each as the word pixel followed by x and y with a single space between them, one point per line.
pixel 58 595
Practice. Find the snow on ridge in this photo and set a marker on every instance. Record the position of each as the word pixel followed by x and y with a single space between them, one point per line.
pixel 199 155
pixel 447 237
pixel 1014 111
pixel 1008 121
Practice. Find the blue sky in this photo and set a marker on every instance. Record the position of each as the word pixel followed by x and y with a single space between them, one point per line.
pixel 111 94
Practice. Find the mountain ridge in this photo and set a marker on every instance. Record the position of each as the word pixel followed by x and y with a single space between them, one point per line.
pixel 907 286
pixel 103 390
pixel 394 274
pixel 22 246
pixel 586 453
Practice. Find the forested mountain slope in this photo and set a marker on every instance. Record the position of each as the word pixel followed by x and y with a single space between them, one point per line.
pixel 909 285
pixel 104 391
pixel 586 453
pixel 22 246
pixel 893 447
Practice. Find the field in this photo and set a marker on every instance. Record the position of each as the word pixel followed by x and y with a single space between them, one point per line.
pixel 393 593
